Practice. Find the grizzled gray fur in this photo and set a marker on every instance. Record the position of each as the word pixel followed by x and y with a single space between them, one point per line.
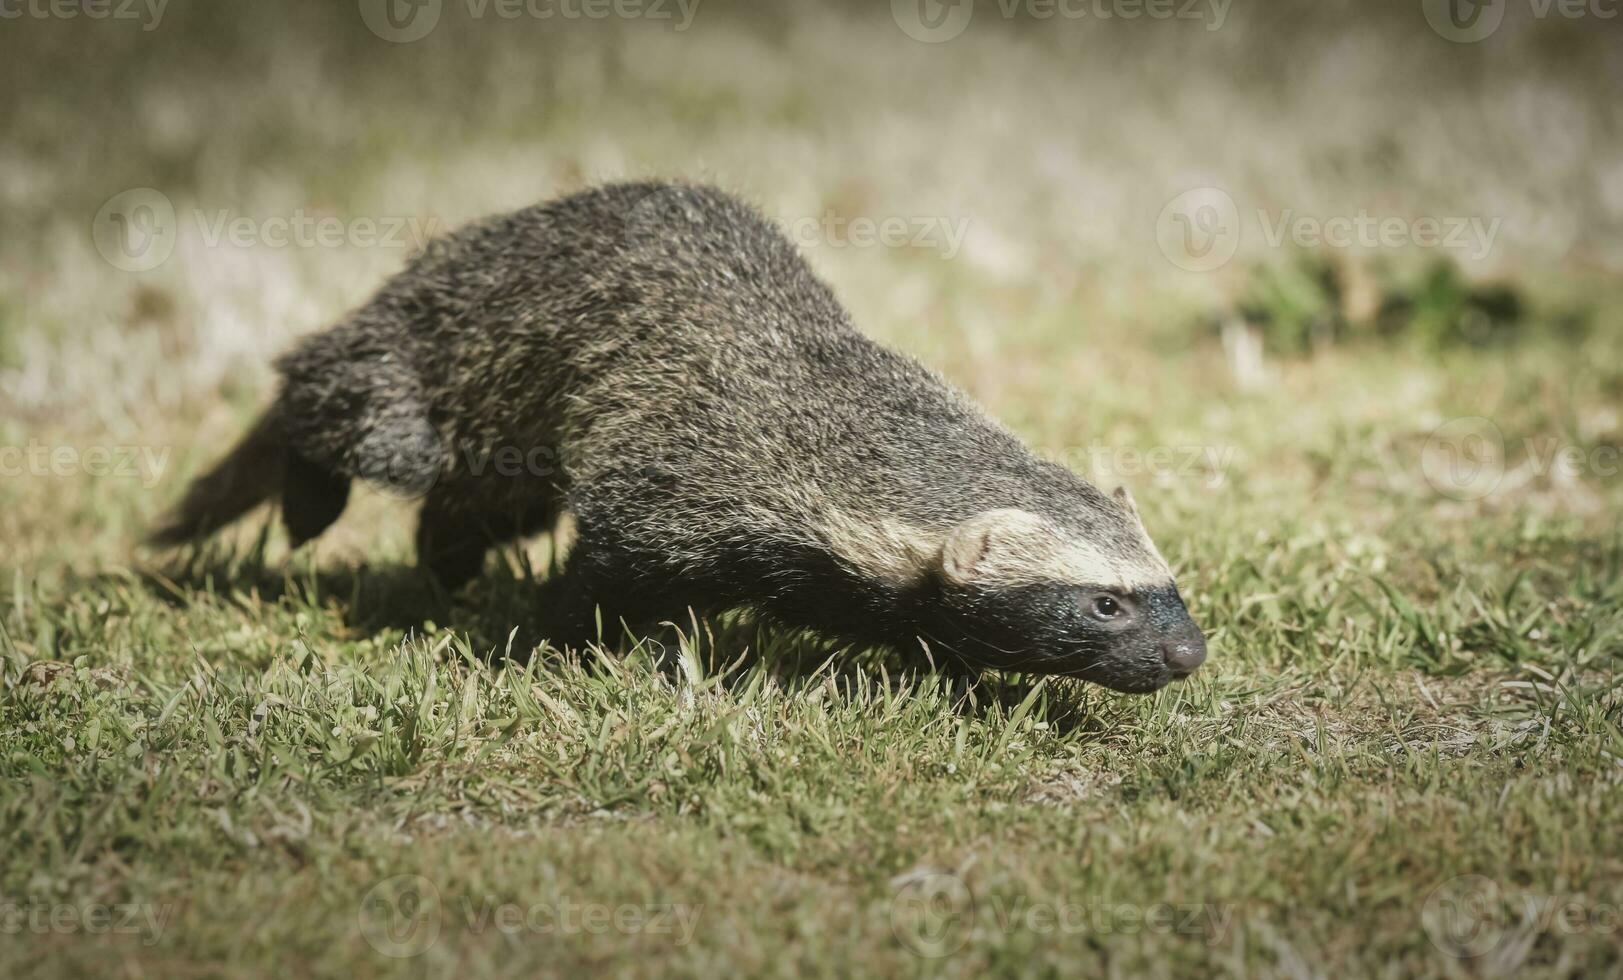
pixel 672 374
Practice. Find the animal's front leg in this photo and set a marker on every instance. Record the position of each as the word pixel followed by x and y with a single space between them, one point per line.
pixel 602 593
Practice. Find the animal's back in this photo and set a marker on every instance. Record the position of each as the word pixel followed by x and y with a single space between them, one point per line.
pixel 671 339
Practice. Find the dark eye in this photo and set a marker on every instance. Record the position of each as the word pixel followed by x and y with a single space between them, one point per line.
pixel 1106 607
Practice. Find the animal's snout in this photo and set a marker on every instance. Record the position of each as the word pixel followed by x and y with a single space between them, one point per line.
pixel 1184 654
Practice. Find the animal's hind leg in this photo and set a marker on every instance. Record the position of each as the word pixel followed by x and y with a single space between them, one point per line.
pixel 312 497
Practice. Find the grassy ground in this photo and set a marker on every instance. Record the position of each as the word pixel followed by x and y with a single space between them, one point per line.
pixel 1402 758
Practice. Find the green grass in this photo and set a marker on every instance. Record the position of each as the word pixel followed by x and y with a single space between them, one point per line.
pixel 1398 696
pixel 1403 757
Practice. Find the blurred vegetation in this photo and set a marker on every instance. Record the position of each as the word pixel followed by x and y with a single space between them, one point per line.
pixel 1303 305
pixel 1440 309
pixel 1297 306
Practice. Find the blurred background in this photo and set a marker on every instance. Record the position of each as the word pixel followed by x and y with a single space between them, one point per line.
pixel 1111 219
pixel 1331 285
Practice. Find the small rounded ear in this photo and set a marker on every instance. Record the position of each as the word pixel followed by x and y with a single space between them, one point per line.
pixel 973 548
pixel 1126 500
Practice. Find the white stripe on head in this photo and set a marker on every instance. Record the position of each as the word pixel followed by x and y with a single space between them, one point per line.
pixel 1015 547
pixel 1005 547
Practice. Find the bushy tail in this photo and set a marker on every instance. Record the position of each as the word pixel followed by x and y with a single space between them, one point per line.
pixel 248 476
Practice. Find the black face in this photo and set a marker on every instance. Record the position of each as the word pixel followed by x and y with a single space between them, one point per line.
pixel 1135 641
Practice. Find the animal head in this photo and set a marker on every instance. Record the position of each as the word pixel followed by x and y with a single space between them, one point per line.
pixel 1093 599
